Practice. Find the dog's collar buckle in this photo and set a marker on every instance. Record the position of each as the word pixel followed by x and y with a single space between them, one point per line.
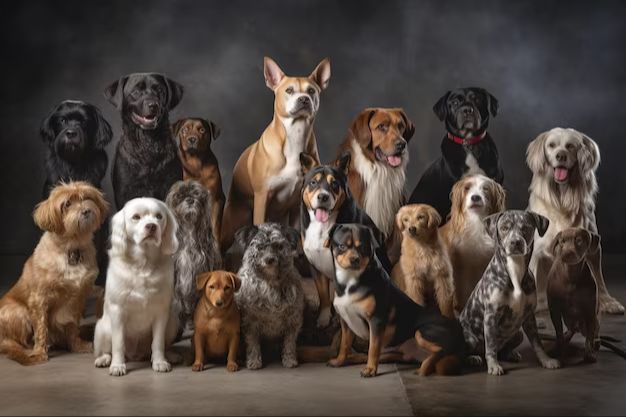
pixel 467 141
pixel 74 257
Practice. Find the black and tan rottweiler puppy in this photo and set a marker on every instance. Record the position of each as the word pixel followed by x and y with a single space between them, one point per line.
pixel 373 308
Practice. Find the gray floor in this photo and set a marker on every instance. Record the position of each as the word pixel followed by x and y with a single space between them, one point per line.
pixel 69 384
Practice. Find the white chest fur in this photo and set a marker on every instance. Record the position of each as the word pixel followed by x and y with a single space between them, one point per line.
pixel 472 164
pixel 474 238
pixel 516 267
pixel 315 236
pixel 348 310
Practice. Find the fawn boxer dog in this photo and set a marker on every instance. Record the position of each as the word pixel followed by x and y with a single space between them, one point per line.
pixel 268 175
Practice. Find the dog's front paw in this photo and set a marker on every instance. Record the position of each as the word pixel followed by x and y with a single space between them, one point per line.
pixel 610 305
pixel 117 370
pixel 368 372
pixel 290 362
pixel 323 320
pixel 232 367
pixel 335 363
pixel 161 366
pixel 197 367
pixel 37 357
pixel 82 347
pixel 254 363
pixel 494 368
pixel 103 361
pixel 551 364
pixel 474 360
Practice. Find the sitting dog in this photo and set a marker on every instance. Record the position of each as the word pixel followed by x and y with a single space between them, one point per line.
pixel 197 252
pixel 44 307
pixel 138 319
pixel 373 308
pixel 424 271
pixel 216 320
pixel 470 247
pixel 146 162
pixel 271 298
pixel 76 134
pixel 572 291
pixel 505 298
pixel 466 149
pixel 564 189
pixel 377 142
pixel 326 200
pixel 194 137
pixel 267 177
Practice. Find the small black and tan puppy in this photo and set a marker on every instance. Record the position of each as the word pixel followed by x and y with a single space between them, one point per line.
pixel 467 148
pixel 373 308
pixel 76 134
pixel 146 160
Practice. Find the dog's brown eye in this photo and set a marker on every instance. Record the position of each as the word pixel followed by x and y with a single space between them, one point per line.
pixel 569 146
pixel 136 217
pixel 289 90
pixel 211 287
pixel 341 247
pixel 311 91
pixel 63 121
pixel 551 145
pixel 227 288
pixel 381 127
pixel 420 217
pixel 159 216
pixel 467 187
pixel 313 183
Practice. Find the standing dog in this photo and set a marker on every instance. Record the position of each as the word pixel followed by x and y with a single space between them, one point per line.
pixel 377 143
pixel 138 319
pixel 327 200
pixel 470 247
pixel 268 175
pixel 76 134
pixel 564 188
pixel 217 320
pixel 146 162
pixel 197 252
pixel 44 307
pixel 505 298
pixel 424 271
pixel 373 308
pixel 194 137
pixel 467 148
pixel 271 298
pixel 572 291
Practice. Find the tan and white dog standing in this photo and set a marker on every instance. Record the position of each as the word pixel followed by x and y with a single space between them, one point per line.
pixel 268 175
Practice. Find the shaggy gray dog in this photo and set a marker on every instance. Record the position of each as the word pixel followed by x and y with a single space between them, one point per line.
pixel 198 251
pixel 271 298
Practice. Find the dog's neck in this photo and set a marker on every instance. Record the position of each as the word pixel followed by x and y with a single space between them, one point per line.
pixel 155 141
pixel 468 140
pixel 516 267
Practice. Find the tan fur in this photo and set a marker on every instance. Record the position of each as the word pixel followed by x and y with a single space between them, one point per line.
pixel 424 271
pixel 44 307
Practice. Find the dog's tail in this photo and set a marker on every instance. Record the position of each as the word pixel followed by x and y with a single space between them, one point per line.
pixel 448 365
pixel 17 352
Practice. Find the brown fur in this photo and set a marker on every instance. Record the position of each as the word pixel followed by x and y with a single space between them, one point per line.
pixel 217 328
pixel 424 271
pixel 201 164
pixel 44 307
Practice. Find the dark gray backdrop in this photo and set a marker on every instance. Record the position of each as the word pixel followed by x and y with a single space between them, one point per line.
pixel 549 64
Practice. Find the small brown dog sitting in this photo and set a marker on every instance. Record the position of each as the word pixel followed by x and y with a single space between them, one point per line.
pixel 424 271
pixel 194 137
pixel 572 290
pixel 217 320
pixel 44 307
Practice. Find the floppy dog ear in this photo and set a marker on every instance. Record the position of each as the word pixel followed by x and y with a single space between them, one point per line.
pixel 499 203
pixel 104 134
pixel 434 218
pixel 588 155
pixel 360 127
pixel 202 279
pixel 535 154
pixel 441 107
pixel 48 216
pixel 176 126
pixel 399 224
pixel 321 73
pixel 214 129
pixel 343 163
pixel 456 198
pixel 293 236
pixel 114 91
pixel 541 223
pixel 491 225
pixel 272 73
pixel 175 93
pixel 96 195
pixel 118 238
pixel 374 241
pixel 235 281
pixel 307 162
pixel 169 241
pixel 46 130
pixel 331 232
pixel 409 130
pixel 555 246
pixel 244 236
pixel 493 104
pixel 594 243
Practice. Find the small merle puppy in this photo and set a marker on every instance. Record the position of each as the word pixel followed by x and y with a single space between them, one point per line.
pixel 466 149
pixel 76 134
pixel 146 161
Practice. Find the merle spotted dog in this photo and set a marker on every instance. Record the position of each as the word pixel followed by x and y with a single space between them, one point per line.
pixel 505 298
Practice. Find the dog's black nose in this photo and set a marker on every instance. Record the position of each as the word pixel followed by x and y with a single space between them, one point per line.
pixel 517 243
pixel 151 227
pixel 468 110
pixel 323 197
pixel 304 100
pixel 354 261
pixel 561 156
pixel 219 303
pixel 413 229
pixel 476 198
pixel 71 133
pixel 400 145
pixel 86 213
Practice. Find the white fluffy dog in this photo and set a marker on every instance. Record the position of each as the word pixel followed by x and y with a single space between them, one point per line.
pixel 563 189
pixel 139 288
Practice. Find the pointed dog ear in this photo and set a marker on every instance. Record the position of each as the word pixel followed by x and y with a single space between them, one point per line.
pixel 360 127
pixel 175 93
pixel 409 130
pixel 235 281
pixel 114 92
pixel 307 162
pixel 441 107
pixel 272 73
pixel 541 223
pixel 491 225
pixel 321 73
pixel 343 163
pixel 202 279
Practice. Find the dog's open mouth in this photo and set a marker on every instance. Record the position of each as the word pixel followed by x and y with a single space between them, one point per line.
pixel 322 215
pixel 561 174
pixel 392 160
pixel 145 122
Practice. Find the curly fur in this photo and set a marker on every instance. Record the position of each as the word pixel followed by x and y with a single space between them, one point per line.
pixel 191 204
pixel 271 298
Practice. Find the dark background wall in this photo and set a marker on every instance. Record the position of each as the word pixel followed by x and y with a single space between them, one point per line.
pixel 549 63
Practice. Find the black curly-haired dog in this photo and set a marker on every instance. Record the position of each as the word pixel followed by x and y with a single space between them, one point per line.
pixel 146 161
pixel 76 134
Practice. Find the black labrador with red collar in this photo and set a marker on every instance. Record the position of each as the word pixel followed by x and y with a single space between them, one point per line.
pixel 466 149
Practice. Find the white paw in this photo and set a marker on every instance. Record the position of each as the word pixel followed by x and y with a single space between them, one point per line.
pixel 323 320
pixel 610 305
pixel 117 370
pixel 254 363
pixel 103 361
pixel 474 360
pixel 289 362
pixel 495 369
pixel 551 364
pixel 161 366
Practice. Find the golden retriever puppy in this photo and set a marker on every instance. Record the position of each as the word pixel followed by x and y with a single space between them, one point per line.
pixel 44 307
pixel 424 271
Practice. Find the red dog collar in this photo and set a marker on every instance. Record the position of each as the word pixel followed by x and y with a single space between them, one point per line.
pixel 469 141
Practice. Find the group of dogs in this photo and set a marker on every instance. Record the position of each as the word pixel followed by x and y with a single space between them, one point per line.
pixel 447 277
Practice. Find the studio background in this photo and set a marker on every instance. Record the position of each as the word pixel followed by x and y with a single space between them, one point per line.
pixel 549 64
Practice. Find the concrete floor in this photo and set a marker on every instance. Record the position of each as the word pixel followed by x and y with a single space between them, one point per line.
pixel 70 385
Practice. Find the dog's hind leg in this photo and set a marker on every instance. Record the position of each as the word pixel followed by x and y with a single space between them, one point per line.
pixel 608 304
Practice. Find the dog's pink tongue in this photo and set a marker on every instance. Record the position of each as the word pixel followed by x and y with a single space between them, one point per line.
pixel 321 215
pixel 394 161
pixel 560 174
